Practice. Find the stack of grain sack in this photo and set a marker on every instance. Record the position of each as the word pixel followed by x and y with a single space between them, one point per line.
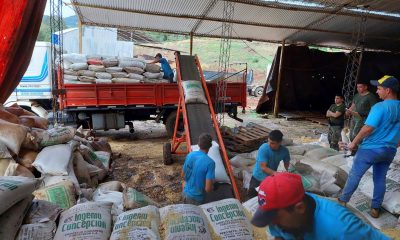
pixel 324 172
pixel 55 167
pixel 49 189
pixel 82 69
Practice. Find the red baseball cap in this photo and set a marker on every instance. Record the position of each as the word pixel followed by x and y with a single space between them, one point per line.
pixel 278 191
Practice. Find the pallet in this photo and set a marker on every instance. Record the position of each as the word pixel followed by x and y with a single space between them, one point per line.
pixel 245 139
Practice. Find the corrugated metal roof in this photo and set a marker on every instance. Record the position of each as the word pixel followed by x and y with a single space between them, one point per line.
pixel 317 22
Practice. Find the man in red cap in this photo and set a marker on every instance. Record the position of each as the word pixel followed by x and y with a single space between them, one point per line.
pixel 293 214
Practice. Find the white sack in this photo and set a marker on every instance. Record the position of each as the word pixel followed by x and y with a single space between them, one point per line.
pixel 194 92
pixel 214 154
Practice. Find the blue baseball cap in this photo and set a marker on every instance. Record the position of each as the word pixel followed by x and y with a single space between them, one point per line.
pixel 387 82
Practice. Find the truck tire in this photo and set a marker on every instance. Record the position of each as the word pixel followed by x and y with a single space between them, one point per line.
pixel 258 92
pixel 170 124
pixel 167 156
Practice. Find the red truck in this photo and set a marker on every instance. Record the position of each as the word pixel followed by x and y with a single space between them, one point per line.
pixel 113 106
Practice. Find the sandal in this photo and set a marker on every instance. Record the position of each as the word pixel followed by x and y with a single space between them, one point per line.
pixel 375 212
pixel 341 202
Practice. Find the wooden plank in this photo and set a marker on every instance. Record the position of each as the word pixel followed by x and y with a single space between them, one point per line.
pixel 321 121
pixel 245 139
pixel 249 134
pixel 254 131
pixel 260 127
pixel 243 131
pixel 259 132
pixel 290 116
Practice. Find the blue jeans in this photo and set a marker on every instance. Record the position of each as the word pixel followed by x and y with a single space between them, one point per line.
pixel 379 159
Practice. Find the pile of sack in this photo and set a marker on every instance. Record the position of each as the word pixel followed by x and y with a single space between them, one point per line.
pixel 363 195
pixel 81 69
pixel 59 166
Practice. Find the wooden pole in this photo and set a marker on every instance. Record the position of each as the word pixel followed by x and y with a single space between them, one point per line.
pixel 278 85
pixel 191 43
pixel 80 35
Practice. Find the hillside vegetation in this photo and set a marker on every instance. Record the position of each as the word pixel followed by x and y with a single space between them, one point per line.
pixel 256 54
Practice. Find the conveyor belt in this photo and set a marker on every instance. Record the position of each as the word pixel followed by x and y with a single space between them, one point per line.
pixel 200 121
pixel 198 114
pixel 189 70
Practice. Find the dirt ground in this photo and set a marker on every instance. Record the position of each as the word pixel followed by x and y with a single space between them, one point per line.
pixel 138 163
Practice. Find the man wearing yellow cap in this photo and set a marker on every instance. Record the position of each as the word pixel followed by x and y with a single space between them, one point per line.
pixel 377 142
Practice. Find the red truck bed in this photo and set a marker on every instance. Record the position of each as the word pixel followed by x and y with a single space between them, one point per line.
pixel 120 94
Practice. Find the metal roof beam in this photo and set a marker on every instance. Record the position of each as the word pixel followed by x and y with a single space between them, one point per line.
pixel 213 36
pixel 206 11
pixel 311 9
pixel 77 5
pixel 324 18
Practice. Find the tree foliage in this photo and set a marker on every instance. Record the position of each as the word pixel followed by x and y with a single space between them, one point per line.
pixel 45 30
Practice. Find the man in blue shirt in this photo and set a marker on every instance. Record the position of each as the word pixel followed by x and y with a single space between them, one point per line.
pixel 379 138
pixel 268 158
pixel 168 73
pixel 292 214
pixel 198 172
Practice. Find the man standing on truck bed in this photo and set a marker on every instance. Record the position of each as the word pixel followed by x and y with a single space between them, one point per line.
pixel 168 73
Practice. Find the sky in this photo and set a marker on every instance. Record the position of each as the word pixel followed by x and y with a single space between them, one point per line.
pixel 67 11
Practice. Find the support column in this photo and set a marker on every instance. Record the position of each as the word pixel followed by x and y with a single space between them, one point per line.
pixel 191 43
pixel 278 85
pixel 80 29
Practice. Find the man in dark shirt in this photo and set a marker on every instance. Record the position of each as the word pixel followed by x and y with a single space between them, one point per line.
pixel 335 114
pixel 359 109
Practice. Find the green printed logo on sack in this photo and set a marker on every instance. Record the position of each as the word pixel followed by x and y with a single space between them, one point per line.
pixel 84 221
pixel 306 182
pixel 187 223
pixel 9 184
pixel 136 219
pixel 59 196
pixel 135 199
pixel 193 85
pixel 57 135
pixel 219 213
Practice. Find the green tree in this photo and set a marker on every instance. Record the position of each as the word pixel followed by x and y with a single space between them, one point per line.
pixel 45 30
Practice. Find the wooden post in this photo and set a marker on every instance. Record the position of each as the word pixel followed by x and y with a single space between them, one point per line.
pixel 278 85
pixel 80 35
pixel 191 43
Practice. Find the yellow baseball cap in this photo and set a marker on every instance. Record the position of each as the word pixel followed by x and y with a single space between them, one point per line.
pixel 388 82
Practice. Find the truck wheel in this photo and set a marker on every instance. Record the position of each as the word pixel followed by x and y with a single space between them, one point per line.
pixel 258 92
pixel 167 157
pixel 170 124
